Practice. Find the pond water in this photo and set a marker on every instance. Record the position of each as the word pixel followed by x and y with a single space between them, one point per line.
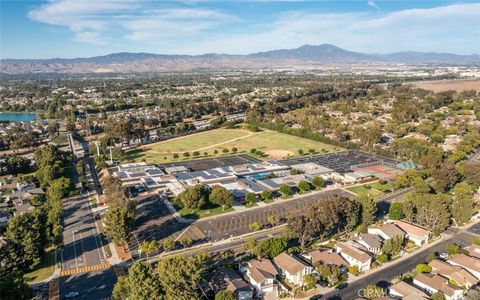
pixel 17 117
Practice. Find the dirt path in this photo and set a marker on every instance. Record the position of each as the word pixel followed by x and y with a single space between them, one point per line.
pixel 249 134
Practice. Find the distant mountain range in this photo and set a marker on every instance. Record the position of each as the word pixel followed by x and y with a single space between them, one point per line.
pixel 125 62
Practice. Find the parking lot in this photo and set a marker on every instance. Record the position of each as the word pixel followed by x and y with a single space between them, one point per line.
pixel 153 221
pixel 231 225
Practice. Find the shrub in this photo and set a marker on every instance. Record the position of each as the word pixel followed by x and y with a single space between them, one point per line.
pixel 452 249
pixel 423 268
pixel 225 150
pixel 255 226
pixel 196 153
pixel 253 150
pixel 234 149
pixel 353 269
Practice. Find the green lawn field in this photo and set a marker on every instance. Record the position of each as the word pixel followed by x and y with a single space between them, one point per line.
pixel 273 145
pixel 374 189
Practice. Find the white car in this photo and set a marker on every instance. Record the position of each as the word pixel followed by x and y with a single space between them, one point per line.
pixel 443 255
pixel 72 295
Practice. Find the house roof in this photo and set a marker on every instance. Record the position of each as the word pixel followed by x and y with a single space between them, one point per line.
pixel 327 257
pixel 412 230
pixel 406 289
pixel 289 263
pixel 227 279
pixel 474 250
pixel 437 282
pixel 372 240
pixel 467 262
pixel 390 230
pixel 460 275
pixel 261 270
pixel 353 252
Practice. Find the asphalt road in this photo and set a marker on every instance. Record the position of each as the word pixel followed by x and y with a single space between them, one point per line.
pixel 92 285
pixel 82 244
pixel 388 274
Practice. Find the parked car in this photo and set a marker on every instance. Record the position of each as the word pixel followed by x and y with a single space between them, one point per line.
pixel 341 286
pixel 443 255
pixel 72 295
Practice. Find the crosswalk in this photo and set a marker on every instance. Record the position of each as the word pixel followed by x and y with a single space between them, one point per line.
pixel 85 269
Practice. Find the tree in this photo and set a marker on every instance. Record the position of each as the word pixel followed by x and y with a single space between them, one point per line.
pixel 304 186
pixel 250 198
pixel 193 197
pixel 168 244
pixel 423 268
pixel 221 196
pixel 382 258
pixel 13 286
pixel 255 226
pixel 463 204
pixel 369 209
pixel 309 281
pixel 180 276
pixel 186 241
pixel 395 211
pixel 149 247
pixel 445 176
pixel 438 296
pixel 118 224
pixel 476 240
pixel 141 283
pixel 453 249
pixel 225 295
pixel 300 152
pixel 318 182
pixel 353 269
pixel 266 195
pixel 432 211
pixel 26 237
pixel 273 219
pixel 285 190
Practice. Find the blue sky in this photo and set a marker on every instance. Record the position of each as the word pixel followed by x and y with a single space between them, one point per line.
pixel 83 28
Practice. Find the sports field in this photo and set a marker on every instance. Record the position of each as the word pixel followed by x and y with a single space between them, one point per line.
pixel 220 142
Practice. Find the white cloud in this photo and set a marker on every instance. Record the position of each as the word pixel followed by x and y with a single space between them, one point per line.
pixel 372 4
pixel 193 29
pixel 447 28
pixel 88 19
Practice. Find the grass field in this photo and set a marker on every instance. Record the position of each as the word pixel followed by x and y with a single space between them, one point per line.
pixel 209 210
pixel 274 145
pixel 44 269
pixel 374 189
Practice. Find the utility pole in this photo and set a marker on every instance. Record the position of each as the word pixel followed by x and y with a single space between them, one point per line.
pixel 97 143
pixel 111 154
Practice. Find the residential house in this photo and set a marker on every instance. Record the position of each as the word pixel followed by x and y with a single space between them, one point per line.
pixel 419 235
pixel 474 250
pixel 372 242
pixel 432 283
pixel 354 256
pixel 261 274
pixel 328 258
pixel 471 264
pixel 292 268
pixel 228 279
pixel 386 231
pixel 403 289
pixel 461 276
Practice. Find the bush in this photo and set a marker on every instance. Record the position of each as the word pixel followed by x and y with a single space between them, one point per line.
pixel 255 226
pixel 300 152
pixel 234 149
pixel 382 258
pixel 476 240
pixel 225 150
pixel 452 249
pixel 423 268
pixel 353 269
pixel 215 151
pixel 253 150
pixel 175 155
pixel 186 154
pixel 196 153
